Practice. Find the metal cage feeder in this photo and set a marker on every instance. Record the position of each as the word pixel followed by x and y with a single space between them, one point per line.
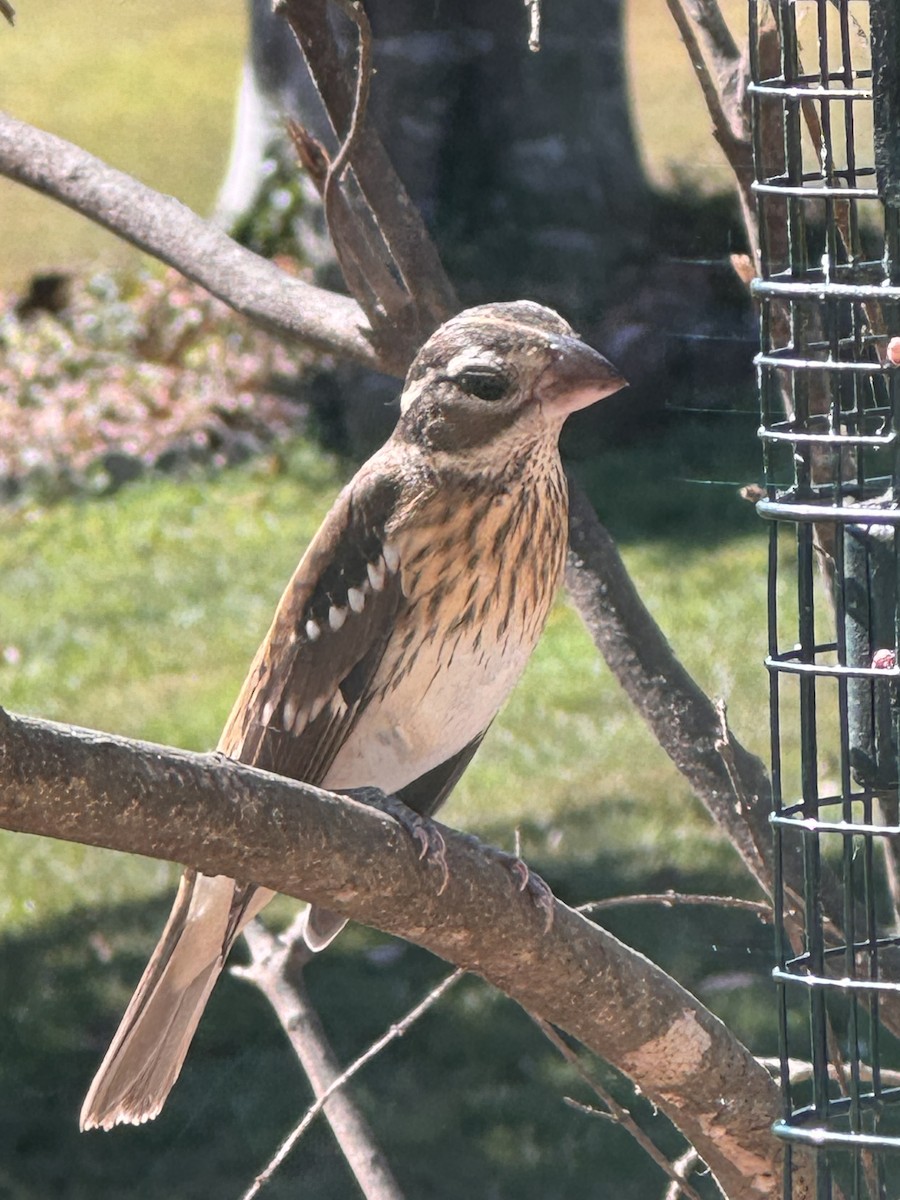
pixel 825 108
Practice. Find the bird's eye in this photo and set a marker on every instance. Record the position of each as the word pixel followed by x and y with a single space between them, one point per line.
pixel 485 385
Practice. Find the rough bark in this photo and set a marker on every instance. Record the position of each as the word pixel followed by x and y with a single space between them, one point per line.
pixel 225 818
pixel 168 230
pixel 484 134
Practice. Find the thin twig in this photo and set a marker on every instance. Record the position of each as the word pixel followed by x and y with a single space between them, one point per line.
pixel 534 25
pixel 710 86
pixel 619 1114
pixel 683 1166
pixel 7 10
pixel 412 252
pixel 672 899
pixel 722 77
pixel 361 251
pixel 800 1071
pixel 396 1031
pixel 357 14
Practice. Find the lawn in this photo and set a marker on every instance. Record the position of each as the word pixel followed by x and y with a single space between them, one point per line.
pixel 115 81
pixel 139 612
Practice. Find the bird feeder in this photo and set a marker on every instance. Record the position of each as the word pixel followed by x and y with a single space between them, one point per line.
pixel 825 110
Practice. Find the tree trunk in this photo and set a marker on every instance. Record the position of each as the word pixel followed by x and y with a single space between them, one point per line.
pixel 524 165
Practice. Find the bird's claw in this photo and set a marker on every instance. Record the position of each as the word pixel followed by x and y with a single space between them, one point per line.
pixel 422 830
pixel 434 848
pixel 527 881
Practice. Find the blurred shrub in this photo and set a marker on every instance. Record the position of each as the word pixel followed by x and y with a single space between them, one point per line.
pixel 105 378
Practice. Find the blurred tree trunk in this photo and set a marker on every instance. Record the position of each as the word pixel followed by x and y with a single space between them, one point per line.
pixel 524 165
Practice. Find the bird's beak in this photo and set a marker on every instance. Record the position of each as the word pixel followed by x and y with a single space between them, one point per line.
pixel 577 376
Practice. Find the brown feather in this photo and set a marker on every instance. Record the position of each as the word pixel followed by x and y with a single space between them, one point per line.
pixel 401 632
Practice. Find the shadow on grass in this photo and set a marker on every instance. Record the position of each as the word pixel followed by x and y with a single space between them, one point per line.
pixel 469 1103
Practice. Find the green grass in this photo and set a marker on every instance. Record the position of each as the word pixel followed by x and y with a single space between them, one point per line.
pixel 151 93
pixel 155 96
pixel 139 613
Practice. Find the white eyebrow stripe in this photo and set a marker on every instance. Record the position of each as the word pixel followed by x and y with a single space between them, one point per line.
pixel 474 356
pixel 411 393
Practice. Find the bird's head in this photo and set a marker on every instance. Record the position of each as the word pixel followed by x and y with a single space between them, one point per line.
pixel 500 371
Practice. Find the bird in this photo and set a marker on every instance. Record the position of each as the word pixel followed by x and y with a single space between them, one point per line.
pixel 405 626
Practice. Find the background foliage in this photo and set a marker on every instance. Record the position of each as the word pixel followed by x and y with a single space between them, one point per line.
pixel 137 609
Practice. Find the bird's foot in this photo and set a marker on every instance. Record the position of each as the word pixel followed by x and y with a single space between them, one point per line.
pixel 422 830
pixel 527 881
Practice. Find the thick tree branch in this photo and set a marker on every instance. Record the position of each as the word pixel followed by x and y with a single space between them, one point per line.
pixel 225 818
pixel 732 783
pixel 168 230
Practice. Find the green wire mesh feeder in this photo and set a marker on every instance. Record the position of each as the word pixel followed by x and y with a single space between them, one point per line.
pixel 825 104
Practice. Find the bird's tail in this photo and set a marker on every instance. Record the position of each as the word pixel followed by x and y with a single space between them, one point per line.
pixel 148 1050
pixel 320 927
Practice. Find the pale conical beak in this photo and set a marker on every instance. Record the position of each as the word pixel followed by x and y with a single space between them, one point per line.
pixel 577 377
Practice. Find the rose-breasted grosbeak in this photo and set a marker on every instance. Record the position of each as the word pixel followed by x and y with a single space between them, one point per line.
pixel 401 633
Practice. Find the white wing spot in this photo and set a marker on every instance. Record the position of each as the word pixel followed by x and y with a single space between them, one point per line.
pixel 391 557
pixel 299 722
pixel 288 713
pixel 376 572
pixel 312 630
pixel 268 712
pixel 336 617
pixel 356 599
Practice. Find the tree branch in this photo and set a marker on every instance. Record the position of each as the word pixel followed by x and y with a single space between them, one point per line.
pixel 722 75
pixel 271 960
pixel 735 789
pixel 431 295
pixel 615 1111
pixel 225 818
pixel 168 230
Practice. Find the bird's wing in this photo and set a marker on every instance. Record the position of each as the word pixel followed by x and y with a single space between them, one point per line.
pixel 426 794
pixel 310 678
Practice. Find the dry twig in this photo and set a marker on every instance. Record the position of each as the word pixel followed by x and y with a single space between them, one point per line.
pixel 618 1112
pixel 672 899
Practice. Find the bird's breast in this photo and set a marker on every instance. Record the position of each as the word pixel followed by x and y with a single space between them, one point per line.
pixel 479 578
